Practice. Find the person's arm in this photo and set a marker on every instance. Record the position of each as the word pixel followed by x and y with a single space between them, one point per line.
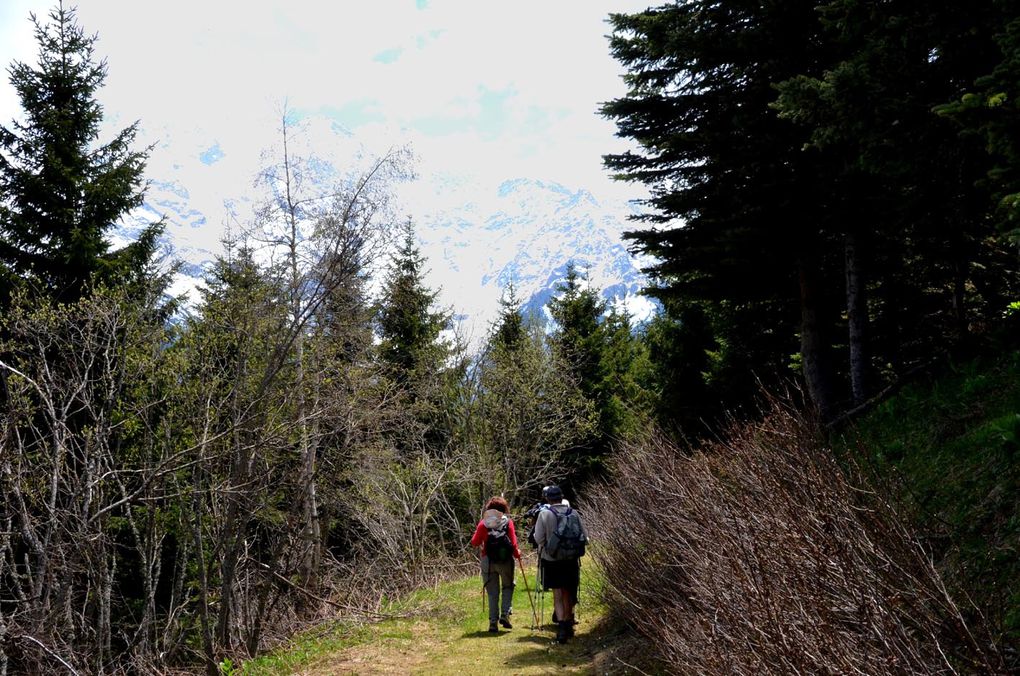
pixel 513 539
pixel 478 539
pixel 541 527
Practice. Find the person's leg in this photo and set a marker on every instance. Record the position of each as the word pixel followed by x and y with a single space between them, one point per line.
pixel 558 597
pixel 506 574
pixel 568 612
pixel 571 597
pixel 562 598
pixel 490 579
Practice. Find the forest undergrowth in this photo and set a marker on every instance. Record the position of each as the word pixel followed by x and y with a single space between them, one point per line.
pixel 759 553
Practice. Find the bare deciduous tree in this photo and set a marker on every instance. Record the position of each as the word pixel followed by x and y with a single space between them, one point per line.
pixel 324 236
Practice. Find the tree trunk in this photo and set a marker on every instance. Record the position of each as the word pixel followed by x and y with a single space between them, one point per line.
pixel 312 556
pixel 209 649
pixel 857 318
pixel 813 347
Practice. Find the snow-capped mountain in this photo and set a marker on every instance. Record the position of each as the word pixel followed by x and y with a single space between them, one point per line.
pixel 526 232
pixel 478 238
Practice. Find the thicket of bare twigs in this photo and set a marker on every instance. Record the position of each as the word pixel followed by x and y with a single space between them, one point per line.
pixel 757 554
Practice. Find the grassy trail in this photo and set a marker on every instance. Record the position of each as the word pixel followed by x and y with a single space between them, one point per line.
pixel 445 632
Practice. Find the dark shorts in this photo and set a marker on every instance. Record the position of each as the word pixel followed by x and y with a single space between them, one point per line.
pixel 561 574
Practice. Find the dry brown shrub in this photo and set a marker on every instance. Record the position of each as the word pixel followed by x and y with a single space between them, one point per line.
pixel 755 554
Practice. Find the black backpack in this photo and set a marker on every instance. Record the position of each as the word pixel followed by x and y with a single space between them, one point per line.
pixel 497 545
pixel 568 540
pixel 533 515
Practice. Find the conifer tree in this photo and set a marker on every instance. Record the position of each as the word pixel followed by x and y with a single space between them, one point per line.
pixel 869 120
pixel 527 417
pixel 510 329
pixel 60 192
pixel 679 340
pixel 627 367
pixel 414 355
pixel 409 325
pixel 990 109
pixel 577 310
pixel 579 342
pixel 716 158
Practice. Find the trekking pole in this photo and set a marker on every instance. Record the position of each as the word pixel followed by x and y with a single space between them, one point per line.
pixel 578 600
pixel 485 581
pixel 540 588
pixel 534 615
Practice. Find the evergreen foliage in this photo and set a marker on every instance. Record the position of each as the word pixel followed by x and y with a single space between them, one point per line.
pixel 599 353
pixel 409 326
pixel 803 189
pixel 717 159
pixel 527 416
pixel 990 110
pixel 678 342
pixel 627 367
pixel 61 191
pixel 510 329
pixel 870 113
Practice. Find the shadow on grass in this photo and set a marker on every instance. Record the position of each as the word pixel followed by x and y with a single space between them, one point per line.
pixel 482 633
pixel 548 653
pixel 542 639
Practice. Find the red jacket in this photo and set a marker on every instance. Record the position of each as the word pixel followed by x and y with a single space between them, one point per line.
pixel 482 534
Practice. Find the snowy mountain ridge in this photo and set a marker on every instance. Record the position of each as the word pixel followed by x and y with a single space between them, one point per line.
pixel 477 238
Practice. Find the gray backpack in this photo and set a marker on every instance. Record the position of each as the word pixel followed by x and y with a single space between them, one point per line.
pixel 568 540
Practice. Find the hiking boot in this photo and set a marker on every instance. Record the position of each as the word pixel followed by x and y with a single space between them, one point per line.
pixel 505 621
pixel 562 632
pixel 493 628
pixel 570 627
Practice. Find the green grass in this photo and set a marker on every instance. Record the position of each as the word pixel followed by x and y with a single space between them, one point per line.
pixel 305 648
pixel 950 448
pixel 443 630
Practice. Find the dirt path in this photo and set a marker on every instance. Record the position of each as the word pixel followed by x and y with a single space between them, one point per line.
pixel 450 637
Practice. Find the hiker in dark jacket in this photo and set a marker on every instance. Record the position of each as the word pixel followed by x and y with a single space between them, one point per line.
pixel 496 536
pixel 562 575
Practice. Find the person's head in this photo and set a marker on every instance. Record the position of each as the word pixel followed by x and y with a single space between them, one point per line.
pixel 498 503
pixel 552 494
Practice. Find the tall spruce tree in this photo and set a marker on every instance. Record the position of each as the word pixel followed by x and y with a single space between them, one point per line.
pixel 990 110
pixel 579 343
pixel 60 191
pixel 629 404
pixel 527 418
pixel 414 355
pixel 890 160
pixel 720 162
pixel 679 340
pixel 409 325
pixel 509 328
pixel 577 310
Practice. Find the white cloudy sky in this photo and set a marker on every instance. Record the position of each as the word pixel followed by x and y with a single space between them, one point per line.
pixel 481 88
pixel 482 91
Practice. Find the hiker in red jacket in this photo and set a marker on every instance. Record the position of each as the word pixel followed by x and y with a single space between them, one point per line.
pixel 496 536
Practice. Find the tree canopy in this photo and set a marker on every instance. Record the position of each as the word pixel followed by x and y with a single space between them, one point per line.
pixel 60 190
pixel 799 175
